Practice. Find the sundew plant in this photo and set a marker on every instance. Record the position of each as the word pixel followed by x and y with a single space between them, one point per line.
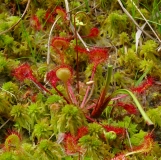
pixel 80 80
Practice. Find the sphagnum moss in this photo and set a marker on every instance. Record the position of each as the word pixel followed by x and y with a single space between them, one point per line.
pixel 67 109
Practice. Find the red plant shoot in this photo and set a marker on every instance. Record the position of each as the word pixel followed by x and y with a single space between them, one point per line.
pixel 130 108
pixel 71 141
pixel 145 85
pixel 10 132
pixel 98 55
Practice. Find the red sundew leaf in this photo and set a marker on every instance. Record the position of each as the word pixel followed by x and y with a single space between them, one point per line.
pixel 10 132
pixel 130 108
pixel 146 145
pixel 23 72
pixel 144 86
pixel 60 11
pixel 33 98
pixel 117 130
pixel 119 157
pixel 81 50
pixel 94 32
pixel 81 132
pixel 98 55
pixel 52 78
pixel 12 140
pixel 60 43
pixel 50 16
pixel 71 144
pixel 35 23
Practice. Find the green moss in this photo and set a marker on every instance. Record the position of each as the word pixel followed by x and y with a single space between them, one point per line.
pixel 70 119
pixel 45 120
pixel 42 130
pixel 115 23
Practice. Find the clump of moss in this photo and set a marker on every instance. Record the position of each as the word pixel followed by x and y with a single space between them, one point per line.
pixel 115 23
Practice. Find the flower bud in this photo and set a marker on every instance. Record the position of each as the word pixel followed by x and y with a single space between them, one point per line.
pixel 110 135
pixel 64 74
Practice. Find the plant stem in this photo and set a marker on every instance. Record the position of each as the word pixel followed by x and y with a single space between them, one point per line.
pixel 39 85
pixel 108 79
pixel 103 101
pixel 62 95
pixel 71 93
pixel 67 91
